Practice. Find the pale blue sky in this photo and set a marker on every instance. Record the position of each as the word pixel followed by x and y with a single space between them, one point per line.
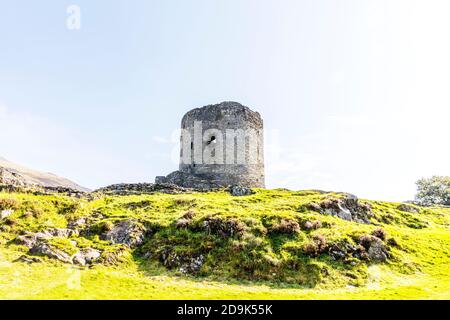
pixel 354 93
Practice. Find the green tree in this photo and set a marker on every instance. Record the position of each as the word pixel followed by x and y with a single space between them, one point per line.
pixel 433 191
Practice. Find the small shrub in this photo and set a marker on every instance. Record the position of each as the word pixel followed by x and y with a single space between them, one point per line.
pixel 317 224
pixel 311 249
pixel 102 227
pixel 317 246
pixel 321 242
pixel 253 226
pixel 10 222
pixel 287 226
pixel 37 212
pixel 408 208
pixel 182 223
pixel 361 253
pixel 66 207
pixel 107 226
pixel 367 240
pixel 388 218
pixel 314 207
pixel 28 214
pixel 189 215
pixel 9 204
pixel 33 207
pixel 312 225
pixel 181 202
pixel 138 204
pixel 114 255
pixel 392 242
pixel 224 227
pixel 185 221
pixel 380 233
pixel 4 228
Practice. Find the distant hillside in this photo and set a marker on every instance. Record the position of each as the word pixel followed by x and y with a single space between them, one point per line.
pixel 17 175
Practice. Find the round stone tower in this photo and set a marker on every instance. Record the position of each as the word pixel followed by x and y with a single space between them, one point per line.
pixel 226 145
pixel 221 145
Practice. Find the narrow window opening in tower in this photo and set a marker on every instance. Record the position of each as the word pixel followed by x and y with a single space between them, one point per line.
pixel 192 145
pixel 212 140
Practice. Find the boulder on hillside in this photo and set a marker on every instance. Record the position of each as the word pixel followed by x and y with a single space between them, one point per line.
pixel 128 232
pixel 239 191
pixel 30 239
pixel 408 208
pixel 42 248
pixel 62 232
pixel 86 256
pixel 27 259
pixel 375 248
pixel 348 208
pixel 185 263
pixel 38 244
pixel 78 223
pixel 124 189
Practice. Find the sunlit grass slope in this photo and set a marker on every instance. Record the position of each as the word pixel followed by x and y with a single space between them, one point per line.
pixel 270 245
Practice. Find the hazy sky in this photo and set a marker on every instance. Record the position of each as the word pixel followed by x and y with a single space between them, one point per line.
pixel 355 94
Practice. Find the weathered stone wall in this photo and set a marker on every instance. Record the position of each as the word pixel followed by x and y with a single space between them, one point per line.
pixel 223 145
pixel 215 120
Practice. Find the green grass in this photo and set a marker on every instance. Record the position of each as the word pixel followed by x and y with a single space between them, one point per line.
pixel 259 262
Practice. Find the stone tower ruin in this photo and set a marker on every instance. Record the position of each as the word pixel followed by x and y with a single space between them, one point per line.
pixel 221 145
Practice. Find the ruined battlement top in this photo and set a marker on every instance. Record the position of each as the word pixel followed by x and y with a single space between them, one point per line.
pixel 218 112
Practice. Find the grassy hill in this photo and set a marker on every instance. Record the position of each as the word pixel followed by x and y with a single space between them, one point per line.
pixel 274 244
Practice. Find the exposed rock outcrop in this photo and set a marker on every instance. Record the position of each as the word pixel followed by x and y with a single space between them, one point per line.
pixel 86 256
pixel 239 191
pixel 42 248
pixel 184 263
pixel 375 248
pixel 77 224
pixel 408 208
pixel 368 248
pixel 62 232
pixel 348 208
pixel 142 188
pixel 188 181
pixel 30 239
pixel 127 232
pixel 39 244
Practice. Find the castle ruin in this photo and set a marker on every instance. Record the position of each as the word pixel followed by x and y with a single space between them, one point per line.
pixel 221 145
